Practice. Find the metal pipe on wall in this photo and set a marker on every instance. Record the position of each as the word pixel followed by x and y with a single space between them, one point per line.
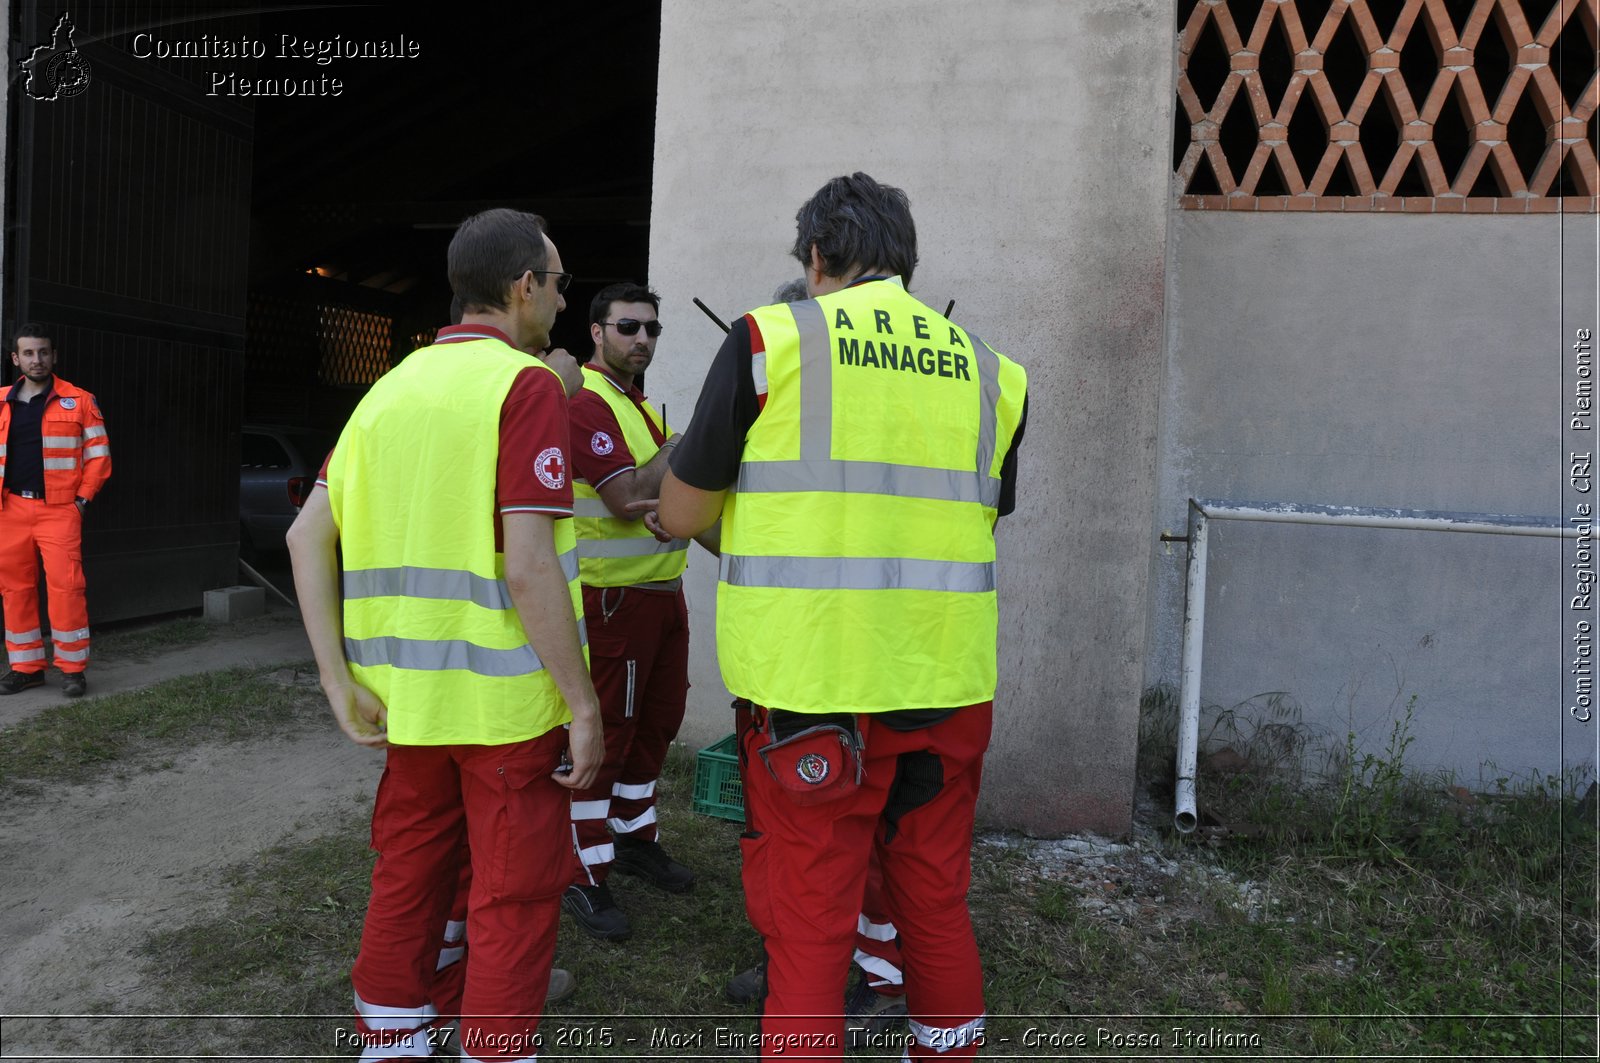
pixel 1185 816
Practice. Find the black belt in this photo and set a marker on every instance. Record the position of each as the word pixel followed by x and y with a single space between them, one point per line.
pixel 29 494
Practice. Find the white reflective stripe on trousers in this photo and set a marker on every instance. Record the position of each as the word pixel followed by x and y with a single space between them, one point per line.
pixel 634 791
pixel 880 972
pixel 598 854
pixel 628 826
pixel 388 1017
pixel 875 931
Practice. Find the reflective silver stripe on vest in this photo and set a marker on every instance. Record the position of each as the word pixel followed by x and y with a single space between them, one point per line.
pixel 816 381
pixel 96 452
pixel 988 366
pixel 404 582
pixel 858 574
pixel 439 655
pixel 60 463
pixel 590 507
pixel 58 442
pixel 94 431
pixel 428 655
pixel 644 546
pixel 869 478
pixel 450 584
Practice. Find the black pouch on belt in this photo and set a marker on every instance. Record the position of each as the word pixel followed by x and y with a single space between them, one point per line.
pixel 815 764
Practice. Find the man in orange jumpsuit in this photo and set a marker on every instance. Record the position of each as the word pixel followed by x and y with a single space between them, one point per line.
pixel 54 458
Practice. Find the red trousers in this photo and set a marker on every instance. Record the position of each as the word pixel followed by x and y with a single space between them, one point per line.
pixel 433 803
pixel 639 661
pixel 805 870
pixel 31 528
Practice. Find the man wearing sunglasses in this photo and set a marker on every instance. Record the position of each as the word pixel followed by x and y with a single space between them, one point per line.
pixel 633 599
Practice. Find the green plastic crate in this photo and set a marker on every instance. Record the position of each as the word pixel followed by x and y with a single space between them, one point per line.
pixel 718 790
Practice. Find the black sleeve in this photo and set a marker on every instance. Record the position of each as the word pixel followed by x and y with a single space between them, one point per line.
pixel 707 457
pixel 1008 468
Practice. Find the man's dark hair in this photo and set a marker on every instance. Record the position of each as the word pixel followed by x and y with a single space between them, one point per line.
pixel 857 224
pixel 36 330
pixel 621 292
pixel 791 291
pixel 489 251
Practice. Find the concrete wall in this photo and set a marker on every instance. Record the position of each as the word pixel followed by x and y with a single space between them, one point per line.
pixel 1032 139
pixel 1379 360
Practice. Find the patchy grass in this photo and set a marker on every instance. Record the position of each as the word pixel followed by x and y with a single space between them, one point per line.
pixel 145 640
pixel 74 742
pixel 1373 918
pixel 142 640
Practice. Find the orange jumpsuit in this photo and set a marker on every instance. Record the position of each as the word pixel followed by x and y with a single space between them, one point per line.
pixel 77 463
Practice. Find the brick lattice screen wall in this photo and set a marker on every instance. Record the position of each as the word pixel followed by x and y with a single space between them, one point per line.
pixel 1431 106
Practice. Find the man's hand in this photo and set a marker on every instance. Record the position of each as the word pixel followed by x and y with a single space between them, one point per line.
pixel 652 519
pixel 567 366
pixel 586 748
pixel 359 713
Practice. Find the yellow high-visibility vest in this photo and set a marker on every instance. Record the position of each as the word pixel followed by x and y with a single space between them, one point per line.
pixel 429 624
pixel 857 568
pixel 613 552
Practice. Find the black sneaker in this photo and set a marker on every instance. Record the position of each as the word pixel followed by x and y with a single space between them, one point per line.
pixel 73 684
pixel 15 682
pixel 650 862
pixel 869 1014
pixel 594 910
pixel 747 987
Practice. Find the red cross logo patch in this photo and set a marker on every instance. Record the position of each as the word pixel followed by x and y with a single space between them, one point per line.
pixel 551 467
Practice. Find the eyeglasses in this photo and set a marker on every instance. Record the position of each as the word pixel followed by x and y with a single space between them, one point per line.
pixel 562 279
pixel 627 326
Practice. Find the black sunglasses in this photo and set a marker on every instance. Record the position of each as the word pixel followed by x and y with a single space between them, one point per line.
pixel 562 279
pixel 627 326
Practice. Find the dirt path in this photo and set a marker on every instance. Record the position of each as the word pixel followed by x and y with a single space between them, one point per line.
pixel 87 872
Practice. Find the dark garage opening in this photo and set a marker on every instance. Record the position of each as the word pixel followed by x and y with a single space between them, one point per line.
pixel 215 251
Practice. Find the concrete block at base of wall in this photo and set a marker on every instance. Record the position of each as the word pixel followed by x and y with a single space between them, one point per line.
pixel 228 604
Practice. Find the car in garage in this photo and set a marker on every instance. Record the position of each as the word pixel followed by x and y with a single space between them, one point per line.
pixel 277 468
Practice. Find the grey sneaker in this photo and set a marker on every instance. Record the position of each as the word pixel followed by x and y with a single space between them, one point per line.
pixel 747 987
pixel 594 910
pixel 869 1014
pixel 562 986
